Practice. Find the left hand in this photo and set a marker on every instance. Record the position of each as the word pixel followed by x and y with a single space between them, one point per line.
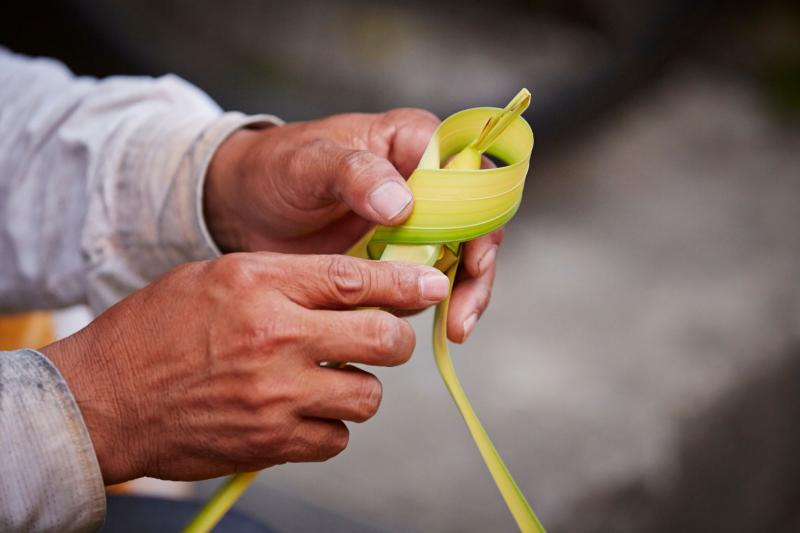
pixel 318 186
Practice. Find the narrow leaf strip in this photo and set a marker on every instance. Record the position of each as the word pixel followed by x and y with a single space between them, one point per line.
pixel 458 205
pixel 470 207
pixel 213 511
pixel 451 205
pixel 520 509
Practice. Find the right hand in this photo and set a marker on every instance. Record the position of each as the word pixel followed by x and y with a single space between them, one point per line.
pixel 215 367
pixel 318 186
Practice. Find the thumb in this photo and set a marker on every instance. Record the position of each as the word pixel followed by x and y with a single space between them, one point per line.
pixel 371 186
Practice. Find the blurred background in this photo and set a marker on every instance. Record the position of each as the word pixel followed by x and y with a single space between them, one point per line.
pixel 639 368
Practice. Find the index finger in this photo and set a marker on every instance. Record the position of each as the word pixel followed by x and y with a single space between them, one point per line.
pixel 338 281
pixel 401 135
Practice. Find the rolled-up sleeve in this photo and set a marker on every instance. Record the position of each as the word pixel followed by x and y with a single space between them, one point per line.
pixel 101 181
pixel 101 185
pixel 50 478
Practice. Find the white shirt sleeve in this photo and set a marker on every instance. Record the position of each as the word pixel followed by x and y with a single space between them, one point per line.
pixel 100 181
pixel 50 477
pixel 100 191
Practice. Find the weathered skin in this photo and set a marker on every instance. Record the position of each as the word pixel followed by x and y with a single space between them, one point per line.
pixel 215 367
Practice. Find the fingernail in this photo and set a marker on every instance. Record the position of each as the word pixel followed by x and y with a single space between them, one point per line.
pixel 434 286
pixel 487 259
pixel 389 199
pixel 469 324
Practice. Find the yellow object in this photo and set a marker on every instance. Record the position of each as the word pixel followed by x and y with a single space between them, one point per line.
pixel 456 204
pixel 29 330
pixel 213 511
pixel 515 501
pixel 453 204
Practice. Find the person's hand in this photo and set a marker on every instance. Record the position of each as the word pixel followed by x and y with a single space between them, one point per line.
pixel 318 186
pixel 215 367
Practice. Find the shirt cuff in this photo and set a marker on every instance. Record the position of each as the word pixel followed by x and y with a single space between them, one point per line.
pixel 51 478
pixel 148 218
pixel 204 150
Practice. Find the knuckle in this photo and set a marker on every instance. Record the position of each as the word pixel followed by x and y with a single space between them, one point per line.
pixel 251 333
pixel 252 397
pixel 297 159
pixel 347 281
pixel 338 440
pixel 312 446
pixel 264 333
pixel 193 269
pixel 276 331
pixel 354 163
pixel 265 395
pixel 369 398
pixel 255 445
pixel 268 399
pixel 256 442
pixel 408 342
pixel 383 333
pixel 387 335
pixel 403 281
pixel 414 114
pixel 297 445
pixel 233 270
pixel 484 299
pixel 402 118
pixel 251 446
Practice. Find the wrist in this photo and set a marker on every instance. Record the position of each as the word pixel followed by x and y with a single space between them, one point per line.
pixel 99 396
pixel 224 184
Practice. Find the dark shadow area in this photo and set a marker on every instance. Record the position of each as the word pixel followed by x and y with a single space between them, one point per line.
pixel 135 514
pixel 56 29
pixel 632 48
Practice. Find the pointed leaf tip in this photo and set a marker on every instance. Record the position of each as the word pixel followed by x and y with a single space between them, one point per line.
pixel 498 122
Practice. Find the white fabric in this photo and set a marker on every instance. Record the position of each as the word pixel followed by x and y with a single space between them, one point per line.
pixel 100 192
